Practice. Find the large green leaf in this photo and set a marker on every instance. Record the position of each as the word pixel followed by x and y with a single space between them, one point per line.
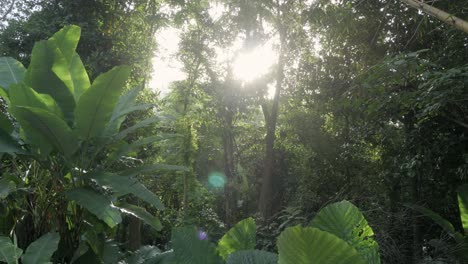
pixel 4 96
pixel 66 40
pixel 345 221
pixel 41 250
pixel 41 77
pixel 122 185
pixel 298 245
pixel 96 105
pixel 44 127
pixel 240 237
pixel 9 252
pixel 97 204
pixel 68 65
pixel 252 257
pixel 22 95
pixel 192 246
pixel 126 101
pixel 142 214
pixel 11 72
pixel 151 255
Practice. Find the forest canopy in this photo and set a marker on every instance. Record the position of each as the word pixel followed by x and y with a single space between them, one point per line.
pixel 233 131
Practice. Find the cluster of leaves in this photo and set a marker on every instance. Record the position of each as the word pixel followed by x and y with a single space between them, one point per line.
pixel 71 129
pixel 339 233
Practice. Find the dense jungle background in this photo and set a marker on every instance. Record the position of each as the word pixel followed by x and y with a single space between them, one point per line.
pixel 366 101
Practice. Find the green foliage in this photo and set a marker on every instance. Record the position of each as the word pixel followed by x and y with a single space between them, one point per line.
pixel 345 221
pixel 252 257
pixel 9 252
pixel 461 250
pixel 41 250
pixel 11 71
pixel 240 237
pixel 296 245
pixel 63 130
pixel 311 245
pixel 192 246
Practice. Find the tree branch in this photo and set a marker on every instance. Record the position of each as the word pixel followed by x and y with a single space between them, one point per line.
pixel 439 14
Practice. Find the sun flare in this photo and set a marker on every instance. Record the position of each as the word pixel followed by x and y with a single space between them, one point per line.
pixel 254 64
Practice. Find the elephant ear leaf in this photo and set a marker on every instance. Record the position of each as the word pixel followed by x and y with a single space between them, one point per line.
pixel 192 246
pixel 41 250
pixel 240 237
pixel 9 252
pixel 300 245
pixel 345 221
pixel 252 257
pixel 463 206
pixel 11 72
pixel 96 105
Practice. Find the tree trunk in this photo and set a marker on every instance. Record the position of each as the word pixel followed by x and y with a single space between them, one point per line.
pixel 229 170
pixel 266 193
pixel 134 233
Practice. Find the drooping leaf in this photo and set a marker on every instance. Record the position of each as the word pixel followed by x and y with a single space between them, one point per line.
pixel 252 257
pixel 11 72
pixel 9 145
pixel 5 124
pixel 463 206
pixel 7 185
pixel 22 95
pixel 126 148
pixel 126 101
pixel 41 250
pixel 345 221
pixel 123 185
pixel 151 168
pixel 97 204
pixel 9 252
pixel 41 77
pixel 144 123
pixel 241 236
pixel 142 214
pixel 43 127
pixel 96 104
pixel 191 246
pixel 298 245
pixel 445 224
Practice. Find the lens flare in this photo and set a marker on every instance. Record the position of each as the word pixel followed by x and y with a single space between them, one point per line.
pixel 217 179
pixel 202 235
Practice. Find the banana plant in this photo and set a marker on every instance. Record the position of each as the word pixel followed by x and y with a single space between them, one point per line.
pixel 339 233
pixel 72 128
pixel 460 238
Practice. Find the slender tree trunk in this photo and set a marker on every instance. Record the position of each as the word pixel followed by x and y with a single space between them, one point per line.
pixel 134 233
pixel 229 169
pixel 266 193
pixel 439 14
